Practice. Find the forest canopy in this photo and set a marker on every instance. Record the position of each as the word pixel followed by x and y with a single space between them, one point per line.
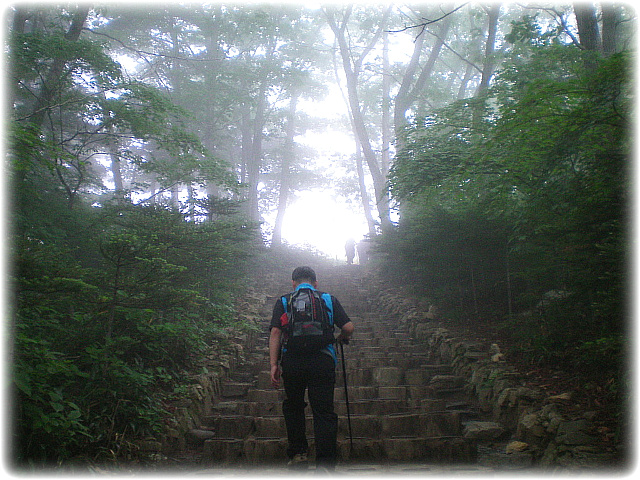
pixel 153 154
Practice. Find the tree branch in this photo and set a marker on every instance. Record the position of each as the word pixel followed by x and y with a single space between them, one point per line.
pixel 142 53
pixel 427 22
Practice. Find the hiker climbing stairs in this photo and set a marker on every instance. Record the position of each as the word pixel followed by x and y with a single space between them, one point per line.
pixel 403 407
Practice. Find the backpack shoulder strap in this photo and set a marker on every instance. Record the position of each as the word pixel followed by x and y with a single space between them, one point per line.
pixel 285 301
pixel 329 303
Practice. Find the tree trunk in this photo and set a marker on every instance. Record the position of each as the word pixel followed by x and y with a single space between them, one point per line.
pixel 493 12
pixel 52 82
pixel 382 197
pixel 255 156
pixel 175 200
pixel 115 170
pixel 385 159
pixel 190 201
pixel 427 70
pixel 364 195
pixel 468 75
pixel 153 189
pixel 408 91
pixel 403 99
pixel 245 143
pixel 351 75
pixel 587 26
pixel 610 20
pixel 285 174
pixel 20 17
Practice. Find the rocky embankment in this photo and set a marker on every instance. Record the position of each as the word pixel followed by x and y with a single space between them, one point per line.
pixel 528 427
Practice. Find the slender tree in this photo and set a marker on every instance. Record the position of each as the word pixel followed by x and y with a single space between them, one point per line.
pixel 587 23
pixel 352 64
pixel 493 13
pixel 285 172
pixel 413 83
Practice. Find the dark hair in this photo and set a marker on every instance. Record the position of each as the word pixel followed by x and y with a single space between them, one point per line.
pixel 303 273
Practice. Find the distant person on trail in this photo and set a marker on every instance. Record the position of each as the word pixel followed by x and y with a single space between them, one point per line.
pixel 363 250
pixel 301 349
pixel 350 249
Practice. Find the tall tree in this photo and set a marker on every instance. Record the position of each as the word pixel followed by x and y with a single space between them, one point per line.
pixel 412 82
pixel 587 23
pixel 56 75
pixel 352 64
pixel 493 14
pixel 610 21
pixel 285 168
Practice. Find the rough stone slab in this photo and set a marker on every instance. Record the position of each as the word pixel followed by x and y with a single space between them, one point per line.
pixel 361 425
pixel 447 381
pixel 264 380
pixel 393 393
pixel 220 450
pixel 232 426
pixel 264 396
pixel 440 424
pixel 363 449
pixel 432 405
pixel 356 393
pixel 259 451
pixel 387 376
pixel 418 392
pixel 415 376
pixel 483 430
pixel 197 436
pixel 371 407
pixel 235 389
pixel 270 426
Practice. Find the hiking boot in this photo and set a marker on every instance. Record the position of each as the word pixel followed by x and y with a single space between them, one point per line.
pixel 299 462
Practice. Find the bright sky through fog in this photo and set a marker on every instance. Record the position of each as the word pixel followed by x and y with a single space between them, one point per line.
pixel 318 220
pixel 316 217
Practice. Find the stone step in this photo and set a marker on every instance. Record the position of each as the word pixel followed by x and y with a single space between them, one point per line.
pixel 243 426
pixel 251 451
pixel 404 361
pixel 358 359
pixel 409 449
pixel 391 373
pixel 403 409
pixel 436 424
pixel 433 424
pixel 235 389
pixel 269 450
pixel 403 392
pixel 370 406
pixel 357 393
pixel 268 395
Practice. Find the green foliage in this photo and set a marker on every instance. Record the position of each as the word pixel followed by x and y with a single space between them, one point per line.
pixel 106 330
pixel 114 304
pixel 526 190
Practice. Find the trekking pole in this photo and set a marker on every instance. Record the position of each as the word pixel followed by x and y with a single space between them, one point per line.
pixel 346 394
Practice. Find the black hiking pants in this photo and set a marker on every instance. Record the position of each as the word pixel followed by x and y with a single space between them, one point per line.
pixel 315 373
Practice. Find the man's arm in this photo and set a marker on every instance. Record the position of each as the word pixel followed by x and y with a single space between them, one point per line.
pixel 342 321
pixel 274 353
pixel 345 332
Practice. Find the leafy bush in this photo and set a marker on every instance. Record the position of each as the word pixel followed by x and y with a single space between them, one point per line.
pixel 104 336
pixel 509 197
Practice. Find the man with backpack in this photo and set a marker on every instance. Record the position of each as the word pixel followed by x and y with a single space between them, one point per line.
pixel 302 351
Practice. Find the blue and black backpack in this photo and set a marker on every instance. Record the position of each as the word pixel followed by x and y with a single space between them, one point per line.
pixel 308 321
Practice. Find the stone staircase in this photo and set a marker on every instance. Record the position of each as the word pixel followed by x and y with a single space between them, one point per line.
pixel 404 409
